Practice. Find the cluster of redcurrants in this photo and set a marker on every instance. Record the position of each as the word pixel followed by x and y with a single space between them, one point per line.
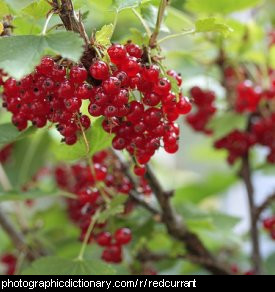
pixel 5 153
pixel 48 94
pixel 138 103
pixel 249 96
pixel 269 225
pixel 204 101
pixel 93 186
pixel 237 143
pixel 137 99
pixel 8 261
pixel 264 132
pixel 252 99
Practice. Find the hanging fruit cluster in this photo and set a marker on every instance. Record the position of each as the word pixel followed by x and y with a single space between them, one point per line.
pixel 94 185
pixel 138 100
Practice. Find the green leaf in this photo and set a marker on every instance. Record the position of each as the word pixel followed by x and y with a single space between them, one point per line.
pixel 16 195
pixel 225 123
pixel 103 36
pixel 219 6
pixel 272 57
pixel 28 156
pixel 19 4
pixel 120 5
pixel 270 264
pixel 212 25
pixel 4 9
pixel 212 185
pixel 138 37
pixel 37 9
pixel 20 54
pixel 198 219
pixel 178 20
pixel 115 207
pixel 60 266
pixel 9 134
pixel 150 13
pixel 97 138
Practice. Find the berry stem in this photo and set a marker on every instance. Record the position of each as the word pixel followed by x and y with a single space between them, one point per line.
pixel 143 22
pixel 87 144
pixel 171 36
pixel 87 235
pixel 47 23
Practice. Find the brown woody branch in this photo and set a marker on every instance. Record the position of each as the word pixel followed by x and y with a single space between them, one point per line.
pixel 73 22
pixel 268 201
pixel 144 255
pixel 15 235
pixel 245 173
pixel 177 229
pixel 161 11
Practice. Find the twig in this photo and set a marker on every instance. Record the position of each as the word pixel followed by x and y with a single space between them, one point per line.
pixel 15 235
pixel 145 255
pixel 174 224
pixel 137 198
pixel 246 176
pixel 268 201
pixel 154 36
pixel 70 19
pixel 72 22
pixel 177 229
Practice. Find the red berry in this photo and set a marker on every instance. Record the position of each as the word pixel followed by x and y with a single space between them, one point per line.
pixel 104 238
pixel 123 236
pixel 99 70
pixel 117 53
pixel 184 106
pixel 139 170
pixel 111 86
pixel 269 223
pixel 78 74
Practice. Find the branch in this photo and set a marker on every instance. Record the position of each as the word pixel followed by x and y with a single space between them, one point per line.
pixel 177 229
pixel 145 255
pixel 268 201
pixel 133 193
pixel 69 18
pixel 137 198
pixel 74 23
pixel 15 235
pixel 245 173
pixel 154 36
